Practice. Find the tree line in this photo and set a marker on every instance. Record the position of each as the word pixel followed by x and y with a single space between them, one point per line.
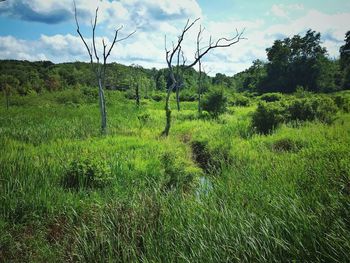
pixel 299 62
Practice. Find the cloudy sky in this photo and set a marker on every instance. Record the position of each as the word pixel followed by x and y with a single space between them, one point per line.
pixel 45 29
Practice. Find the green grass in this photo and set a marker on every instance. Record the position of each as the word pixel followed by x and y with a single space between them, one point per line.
pixel 281 197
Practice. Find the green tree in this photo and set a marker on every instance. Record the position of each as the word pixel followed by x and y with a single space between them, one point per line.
pixel 215 102
pixel 161 82
pixel 8 85
pixel 297 61
pixel 345 61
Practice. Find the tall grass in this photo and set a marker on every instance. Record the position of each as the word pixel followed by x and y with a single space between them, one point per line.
pixel 282 197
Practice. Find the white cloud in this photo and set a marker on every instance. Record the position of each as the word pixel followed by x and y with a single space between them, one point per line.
pixel 156 18
pixel 279 11
pixel 284 11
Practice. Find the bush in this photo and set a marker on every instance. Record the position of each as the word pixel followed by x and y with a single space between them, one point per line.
pixel 342 102
pixel 178 175
pixel 239 100
pixel 87 172
pixel 130 95
pixel 268 117
pixel 215 103
pixel 271 97
pixel 309 109
pixel 68 97
pixel 90 94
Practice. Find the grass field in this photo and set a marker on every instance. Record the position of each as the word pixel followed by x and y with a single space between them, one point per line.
pixel 213 191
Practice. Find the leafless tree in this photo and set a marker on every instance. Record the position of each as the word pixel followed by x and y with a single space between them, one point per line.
pixel 199 39
pixel 98 67
pixel 200 53
pixel 179 76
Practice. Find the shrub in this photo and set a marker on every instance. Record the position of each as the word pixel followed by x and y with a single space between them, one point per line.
pixel 239 100
pixel 178 175
pixel 130 95
pixel 90 94
pixel 343 102
pixel 309 109
pixel 68 97
pixel 87 172
pixel 268 117
pixel 215 103
pixel 271 97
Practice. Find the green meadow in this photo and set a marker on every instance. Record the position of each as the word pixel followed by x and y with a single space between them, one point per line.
pixel 214 190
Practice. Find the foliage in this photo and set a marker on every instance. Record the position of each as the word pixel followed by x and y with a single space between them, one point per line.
pixel 268 117
pixel 222 80
pixel 342 102
pixel 271 97
pixel 215 102
pixel 239 100
pixel 309 109
pixel 345 61
pixel 90 94
pixel 251 78
pixel 178 176
pixel 87 172
pixel 69 97
pixel 187 95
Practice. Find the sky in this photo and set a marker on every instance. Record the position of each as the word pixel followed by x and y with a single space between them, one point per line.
pixel 45 29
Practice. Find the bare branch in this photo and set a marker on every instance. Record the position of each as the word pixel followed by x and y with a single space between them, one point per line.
pixel 93 36
pixel 116 40
pixel 183 58
pixel 181 37
pixel 81 36
pixel 218 44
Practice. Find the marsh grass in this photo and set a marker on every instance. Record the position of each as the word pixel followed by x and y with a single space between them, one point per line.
pixel 281 197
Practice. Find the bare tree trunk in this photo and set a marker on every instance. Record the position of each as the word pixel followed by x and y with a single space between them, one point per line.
pixel 137 95
pixel 199 87
pixel 102 103
pixel 167 112
pixel 167 104
pixel 178 96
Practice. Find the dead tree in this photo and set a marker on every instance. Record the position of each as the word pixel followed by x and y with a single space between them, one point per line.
pixel 199 38
pixel 179 76
pixel 200 53
pixel 97 67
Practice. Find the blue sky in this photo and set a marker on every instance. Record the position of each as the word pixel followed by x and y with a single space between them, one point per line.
pixel 45 29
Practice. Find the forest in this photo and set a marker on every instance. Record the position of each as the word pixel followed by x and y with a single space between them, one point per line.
pixel 255 167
